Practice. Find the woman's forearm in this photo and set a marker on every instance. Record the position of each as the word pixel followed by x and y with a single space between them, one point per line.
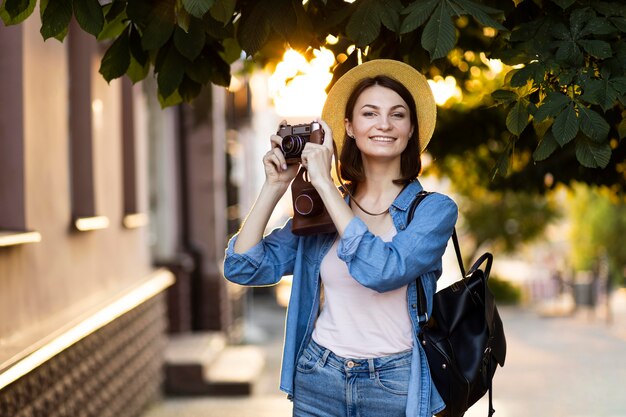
pixel 253 228
pixel 336 206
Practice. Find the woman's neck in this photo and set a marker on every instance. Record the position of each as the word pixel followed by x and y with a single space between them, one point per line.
pixel 378 191
pixel 379 177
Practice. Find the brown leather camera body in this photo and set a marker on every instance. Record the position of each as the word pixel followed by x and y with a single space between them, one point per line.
pixel 310 216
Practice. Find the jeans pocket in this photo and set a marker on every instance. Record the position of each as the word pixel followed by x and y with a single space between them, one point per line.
pixel 394 380
pixel 307 362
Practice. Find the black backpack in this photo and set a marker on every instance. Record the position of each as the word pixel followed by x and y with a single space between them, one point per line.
pixel 464 338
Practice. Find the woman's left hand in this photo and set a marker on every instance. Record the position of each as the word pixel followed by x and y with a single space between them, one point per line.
pixel 317 159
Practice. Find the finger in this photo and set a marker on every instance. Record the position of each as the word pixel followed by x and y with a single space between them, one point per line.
pixel 278 153
pixel 276 141
pixel 328 134
pixel 270 158
pixel 281 124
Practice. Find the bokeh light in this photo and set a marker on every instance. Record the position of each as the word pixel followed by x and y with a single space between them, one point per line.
pixel 297 86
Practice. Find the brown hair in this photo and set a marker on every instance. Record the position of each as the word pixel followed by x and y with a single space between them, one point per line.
pixel 351 163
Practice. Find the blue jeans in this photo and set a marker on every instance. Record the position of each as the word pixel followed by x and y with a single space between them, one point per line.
pixel 327 385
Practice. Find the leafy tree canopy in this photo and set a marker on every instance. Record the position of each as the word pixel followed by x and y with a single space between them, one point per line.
pixel 563 104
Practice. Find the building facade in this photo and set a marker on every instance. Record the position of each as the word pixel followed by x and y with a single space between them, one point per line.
pixel 113 221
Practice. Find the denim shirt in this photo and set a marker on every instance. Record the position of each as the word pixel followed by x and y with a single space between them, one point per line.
pixel 415 251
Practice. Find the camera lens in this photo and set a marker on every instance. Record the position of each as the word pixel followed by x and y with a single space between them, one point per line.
pixel 308 203
pixel 292 145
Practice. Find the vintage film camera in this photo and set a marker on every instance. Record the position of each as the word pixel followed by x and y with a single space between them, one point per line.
pixel 296 136
pixel 309 213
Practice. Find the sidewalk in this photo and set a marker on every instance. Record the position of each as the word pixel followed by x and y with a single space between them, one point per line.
pixel 559 367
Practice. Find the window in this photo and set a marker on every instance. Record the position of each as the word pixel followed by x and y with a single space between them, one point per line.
pixel 82 49
pixel 132 216
pixel 13 230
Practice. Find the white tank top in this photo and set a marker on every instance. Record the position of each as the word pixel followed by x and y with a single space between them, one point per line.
pixel 357 322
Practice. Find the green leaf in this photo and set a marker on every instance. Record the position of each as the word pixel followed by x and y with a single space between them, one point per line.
pixel 578 19
pixel 502 164
pixel 504 96
pixel 113 28
pixel 189 89
pixel 552 105
pixel 560 31
pixel 592 124
pixel 597 26
pixel 171 71
pixel 619 22
pixel 135 47
pixel 198 8
pixel 439 34
pixel 418 12
pixel 182 19
pixel 621 128
pixel 390 14
pixel 18 18
pixel 546 147
pixel 16 7
pixel 89 15
pixel 565 126
pixel 596 48
pixel 116 59
pixel 481 13
pixel 171 100
pixel 534 71
pixel 601 92
pixel 591 154
pixel 364 25
pixel 115 9
pixel 137 72
pixel 200 70
pixel 303 37
pixel 254 28
pixel 55 18
pixel 564 4
pixel 160 24
pixel 232 50
pixel 223 10
pixel 190 44
pixel 220 73
pixel 569 52
pixel 517 119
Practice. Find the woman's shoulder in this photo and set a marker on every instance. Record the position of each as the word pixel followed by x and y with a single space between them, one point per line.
pixel 414 191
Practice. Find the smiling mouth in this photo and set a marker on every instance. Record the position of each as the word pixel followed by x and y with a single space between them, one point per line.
pixel 385 139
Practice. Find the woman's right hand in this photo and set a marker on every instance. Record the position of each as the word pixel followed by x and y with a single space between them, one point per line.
pixel 277 172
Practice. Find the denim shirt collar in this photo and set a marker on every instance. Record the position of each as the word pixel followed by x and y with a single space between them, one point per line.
pixel 406 197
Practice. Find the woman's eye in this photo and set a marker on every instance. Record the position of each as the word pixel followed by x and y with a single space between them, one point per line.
pixel 368 113
pixel 398 115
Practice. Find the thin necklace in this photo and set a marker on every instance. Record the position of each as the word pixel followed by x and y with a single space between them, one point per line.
pixel 374 214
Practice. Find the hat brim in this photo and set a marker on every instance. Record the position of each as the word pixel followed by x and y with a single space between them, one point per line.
pixel 334 109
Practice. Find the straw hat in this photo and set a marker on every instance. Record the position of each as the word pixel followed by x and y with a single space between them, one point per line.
pixel 335 105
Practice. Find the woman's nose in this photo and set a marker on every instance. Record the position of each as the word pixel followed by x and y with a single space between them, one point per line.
pixel 383 123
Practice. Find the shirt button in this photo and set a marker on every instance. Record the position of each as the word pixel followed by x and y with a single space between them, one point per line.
pixel 414 305
pixel 402 227
pixel 350 364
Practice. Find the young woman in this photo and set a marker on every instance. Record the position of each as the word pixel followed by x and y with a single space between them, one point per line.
pixel 355 353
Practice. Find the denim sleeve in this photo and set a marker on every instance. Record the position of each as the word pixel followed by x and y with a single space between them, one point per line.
pixel 385 266
pixel 266 262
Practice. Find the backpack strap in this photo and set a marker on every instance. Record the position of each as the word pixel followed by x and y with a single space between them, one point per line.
pixel 422 313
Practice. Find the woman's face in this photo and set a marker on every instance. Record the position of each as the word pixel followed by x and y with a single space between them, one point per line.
pixel 381 123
